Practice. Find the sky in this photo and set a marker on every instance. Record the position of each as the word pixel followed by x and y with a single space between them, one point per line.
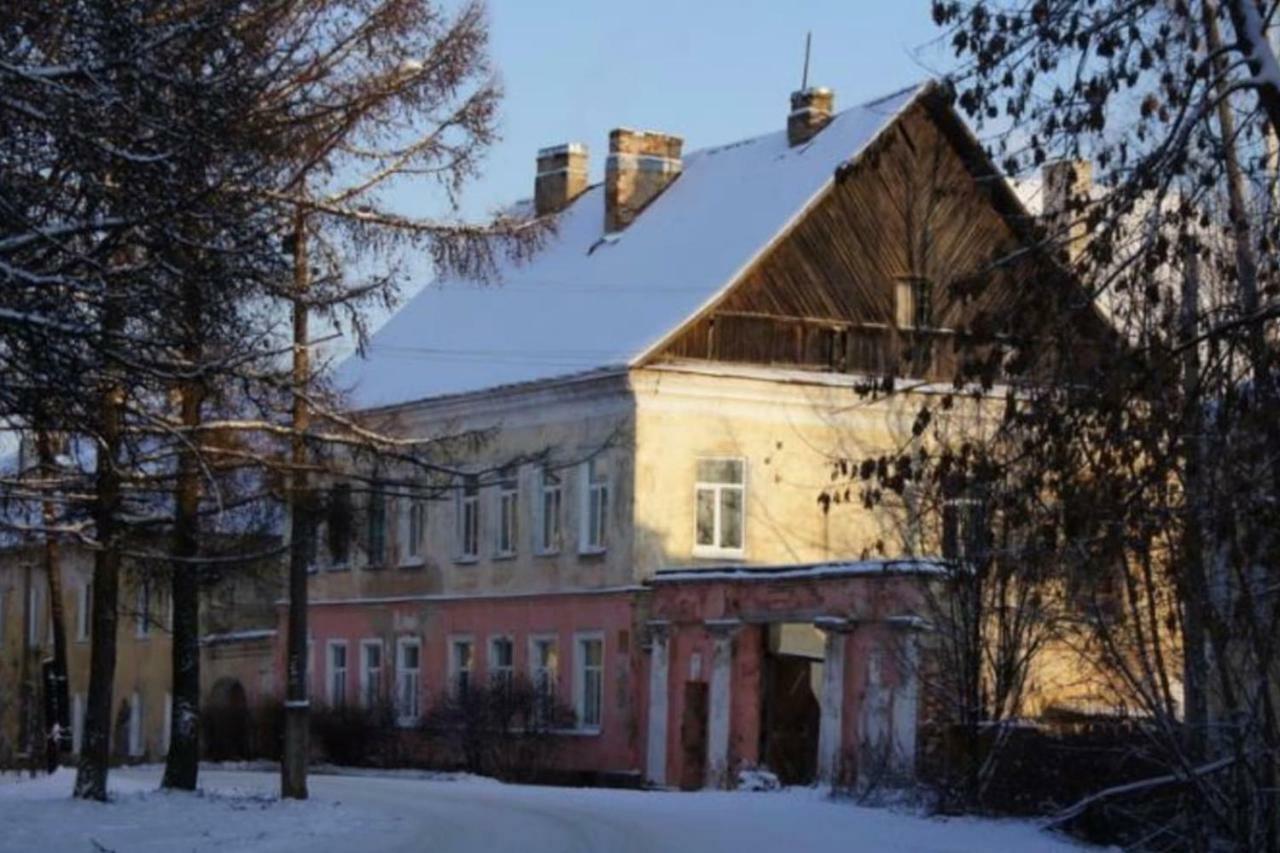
pixel 711 71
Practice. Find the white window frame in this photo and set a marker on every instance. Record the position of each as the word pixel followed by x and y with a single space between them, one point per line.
pixel 413 530
pixel 495 673
pixel 580 639
pixel 544 679
pixel 467 523
pixel 506 532
pixel 137 747
pixel 455 671
pixel 371 677
pixel 142 611
pixel 594 489
pixel 408 695
pixel 717 489
pixel 84 612
pixel 329 671
pixel 549 527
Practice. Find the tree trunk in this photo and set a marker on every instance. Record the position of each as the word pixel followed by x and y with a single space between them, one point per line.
pixel 58 729
pixel 181 767
pixel 293 767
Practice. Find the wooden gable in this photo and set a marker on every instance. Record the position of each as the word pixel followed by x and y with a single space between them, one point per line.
pixel 918 219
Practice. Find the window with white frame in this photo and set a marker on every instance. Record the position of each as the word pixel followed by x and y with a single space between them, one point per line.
pixel 469 520
pixel 370 672
pixel 84 611
pixel 461 664
pixel 337 673
pixel 544 667
pixel 549 511
pixel 35 613
pixel 413 530
pixel 502 662
pixel 136 744
pixel 720 496
pixel 142 610
pixel 588 678
pixel 508 529
pixel 408 680
pixel 595 507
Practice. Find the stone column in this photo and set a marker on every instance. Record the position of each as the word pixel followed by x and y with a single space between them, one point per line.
pixel 906 699
pixel 720 700
pixel 659 663
pixel 831 723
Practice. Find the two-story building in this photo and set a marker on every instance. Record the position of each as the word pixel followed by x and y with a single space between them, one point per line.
pixel 654 403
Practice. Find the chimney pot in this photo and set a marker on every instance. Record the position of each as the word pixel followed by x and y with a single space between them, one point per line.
pixel 561 177
pixel 811 110
pixel 641 164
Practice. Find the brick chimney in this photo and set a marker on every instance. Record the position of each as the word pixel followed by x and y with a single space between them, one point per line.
pixel 562 176
pixel 641 164
pixel 1066 187
pixel 811 109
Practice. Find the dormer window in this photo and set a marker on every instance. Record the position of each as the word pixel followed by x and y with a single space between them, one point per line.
pixel 915 303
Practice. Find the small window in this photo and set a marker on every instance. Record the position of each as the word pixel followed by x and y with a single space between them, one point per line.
pixel 337 673
pixel 414 529
pixel 589 681
pixel 544 668
pixel 508 515
pixel 966 530
pixel 915 303
pixel 376 528
pixel 340 526
pixel 501 662
pixel 370 673
pixel 84 612
pixel 408 680
pixel 461 663
pixel 549 511
pixel 142 610
pixel 720 498
pixel 469 520
pixel 595 507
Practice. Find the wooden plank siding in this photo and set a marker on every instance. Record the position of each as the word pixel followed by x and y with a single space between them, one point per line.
pixel 824 296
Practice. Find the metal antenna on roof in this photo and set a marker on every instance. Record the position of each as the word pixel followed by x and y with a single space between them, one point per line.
pixel 808 41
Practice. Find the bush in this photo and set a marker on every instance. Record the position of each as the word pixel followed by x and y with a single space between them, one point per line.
pixel 356 737
pixel 507 729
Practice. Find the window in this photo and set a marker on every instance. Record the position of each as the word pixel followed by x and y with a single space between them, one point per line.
pixel 413 530
pixel 966 532
pixel 461 662
pixel 376 528
pixel 340 526
pixel 915 303
pixel 595 507
pixel 34 614
pixel 408 675
pixel 501 662
pixel 720 498
pixel 142 610
pixel 469 520
pixel 508 518
pixel 544 667
pixel 589 680
pixel 370 672
pixel 337 673
pixel 84 611
pixel 136 746
pixel 549 493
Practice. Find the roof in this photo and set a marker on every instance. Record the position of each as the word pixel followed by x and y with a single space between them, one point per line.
pixel 803 571
pixel 589 300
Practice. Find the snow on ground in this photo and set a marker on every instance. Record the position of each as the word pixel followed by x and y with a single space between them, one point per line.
pixel 237 811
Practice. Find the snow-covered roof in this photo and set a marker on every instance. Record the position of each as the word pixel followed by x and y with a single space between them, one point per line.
pixel 803 571
pixel 589 299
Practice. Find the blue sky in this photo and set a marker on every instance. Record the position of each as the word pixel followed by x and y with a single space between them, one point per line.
pixel 711 71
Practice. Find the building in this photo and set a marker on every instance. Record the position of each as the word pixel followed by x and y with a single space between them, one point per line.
pixel 642 418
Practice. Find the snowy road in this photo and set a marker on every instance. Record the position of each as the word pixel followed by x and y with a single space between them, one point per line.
pixel 367 814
